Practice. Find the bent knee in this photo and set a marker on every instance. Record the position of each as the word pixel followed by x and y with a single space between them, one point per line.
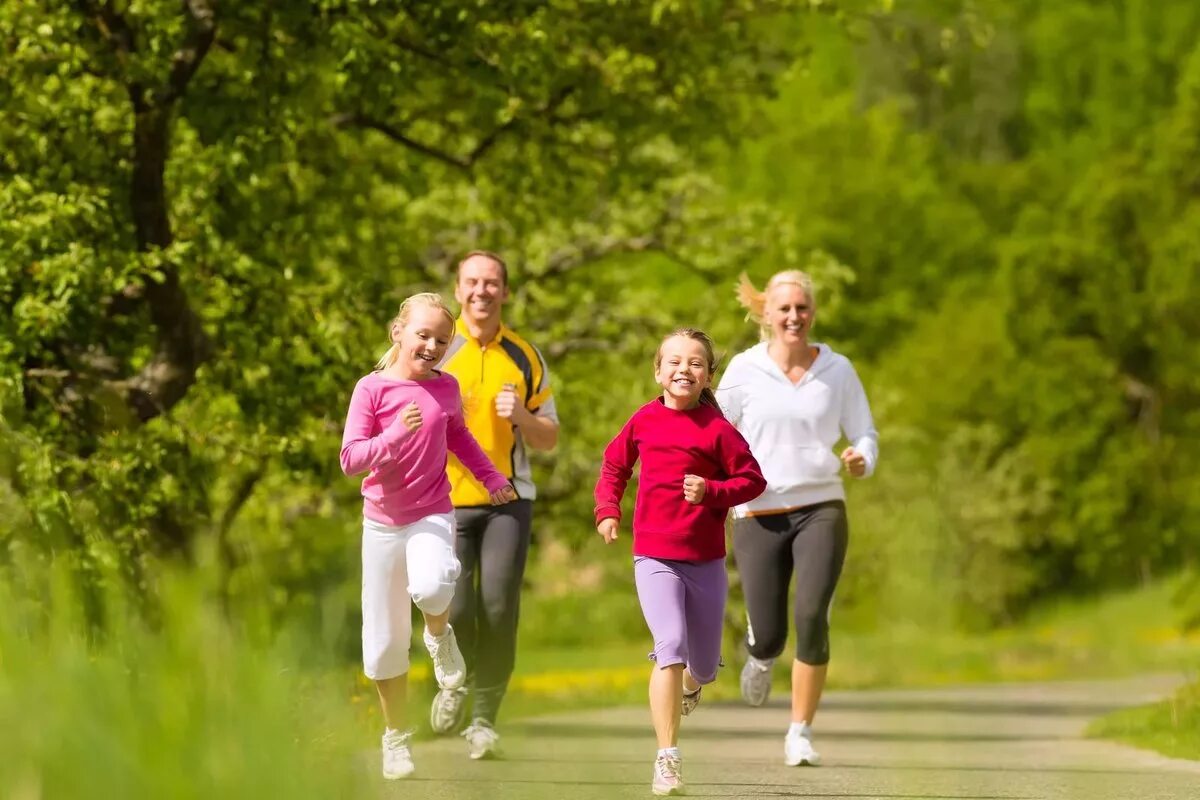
pixel 766 647
pixel 703 673
pixel 432 595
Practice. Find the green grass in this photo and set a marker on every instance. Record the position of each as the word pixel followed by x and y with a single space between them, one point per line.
pixel 186 708
pixel 1136 631
pixel 1171 727
pixel 193 705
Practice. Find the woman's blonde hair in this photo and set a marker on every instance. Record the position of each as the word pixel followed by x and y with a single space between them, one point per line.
pixel 707 396
pixel 755 302
pixel 424 299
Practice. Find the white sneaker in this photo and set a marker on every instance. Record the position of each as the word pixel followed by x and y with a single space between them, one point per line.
pixel 756 680
pixel 446 714
pixel 668 776
pixel 397 757
pixel 691 700
pixel 798 751
pixel 482 740
pixel 448 665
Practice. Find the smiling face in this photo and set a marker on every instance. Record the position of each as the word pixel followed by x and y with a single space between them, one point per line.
pixel 682 369
pixel 422 340
pixel 481 289
pixel 788 314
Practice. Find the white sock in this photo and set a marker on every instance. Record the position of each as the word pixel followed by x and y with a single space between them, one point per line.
pixel 673 752
pixel 800 729
pixel 440 636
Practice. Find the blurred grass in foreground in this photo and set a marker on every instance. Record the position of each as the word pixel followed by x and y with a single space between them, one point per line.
pixel 1172 727
pixel 186 708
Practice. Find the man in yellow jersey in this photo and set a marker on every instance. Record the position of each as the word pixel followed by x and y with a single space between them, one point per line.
pixel 508 406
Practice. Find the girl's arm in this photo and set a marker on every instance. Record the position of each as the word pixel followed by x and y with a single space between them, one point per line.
pixel 461 442
pixel 360 450
pixel 745 481
pixel 619 458
pixel 857 424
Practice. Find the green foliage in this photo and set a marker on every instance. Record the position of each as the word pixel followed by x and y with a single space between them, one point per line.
pixel 210 211
pixel 1020 222
pixel 206 220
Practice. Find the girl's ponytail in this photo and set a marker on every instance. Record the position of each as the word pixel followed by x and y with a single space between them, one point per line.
pixel 389 358
pixel 709 398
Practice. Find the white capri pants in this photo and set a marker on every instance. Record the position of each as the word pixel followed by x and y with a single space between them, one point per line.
pixel 414 561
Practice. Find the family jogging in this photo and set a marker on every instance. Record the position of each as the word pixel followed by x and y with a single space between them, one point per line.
pixel 441 428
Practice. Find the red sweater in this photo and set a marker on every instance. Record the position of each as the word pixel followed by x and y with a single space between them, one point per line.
pixel 671 444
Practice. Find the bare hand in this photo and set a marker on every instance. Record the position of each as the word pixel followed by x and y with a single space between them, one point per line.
pixel 411 416
pixel 693 488
pixel 607 528
pixel 506 401
pixel 856 462
pixel 502 496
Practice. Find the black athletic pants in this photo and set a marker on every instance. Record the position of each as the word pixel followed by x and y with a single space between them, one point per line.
pixel 492 545
pixel 809 541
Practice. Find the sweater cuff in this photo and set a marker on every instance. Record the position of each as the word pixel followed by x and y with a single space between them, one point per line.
pixel 495 483
pixel 608 512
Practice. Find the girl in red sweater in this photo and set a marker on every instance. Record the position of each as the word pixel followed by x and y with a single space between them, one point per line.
pixel 695 467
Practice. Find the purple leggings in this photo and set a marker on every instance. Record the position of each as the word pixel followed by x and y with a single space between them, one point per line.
pixel 684 606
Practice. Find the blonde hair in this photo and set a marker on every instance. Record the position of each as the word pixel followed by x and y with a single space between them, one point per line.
pixel 423 299
pixel 755 302
pixel 710 354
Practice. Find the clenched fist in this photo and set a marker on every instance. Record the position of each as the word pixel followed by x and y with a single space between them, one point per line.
pixel 506 401
pixel 607 528
pixel 693 488
pixel 856 462
pixel 502 496
pixel 411 416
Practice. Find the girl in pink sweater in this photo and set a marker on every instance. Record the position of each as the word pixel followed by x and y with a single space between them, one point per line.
pixel 695 467
pixel 403 419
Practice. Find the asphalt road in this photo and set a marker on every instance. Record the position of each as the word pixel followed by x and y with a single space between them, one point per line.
pixel 999 742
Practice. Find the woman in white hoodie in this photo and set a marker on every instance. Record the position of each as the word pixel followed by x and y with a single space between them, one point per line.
pixel 793 400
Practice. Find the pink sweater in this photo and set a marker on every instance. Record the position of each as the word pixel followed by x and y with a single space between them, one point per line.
pixel 407 479
pixel 672 444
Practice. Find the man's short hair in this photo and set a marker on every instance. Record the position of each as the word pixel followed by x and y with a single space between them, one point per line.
pixel 488 254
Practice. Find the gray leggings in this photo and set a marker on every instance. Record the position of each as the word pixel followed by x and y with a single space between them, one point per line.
pixel 811 541
pixel 492 546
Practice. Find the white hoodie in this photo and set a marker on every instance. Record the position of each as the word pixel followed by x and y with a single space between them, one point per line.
pixel 792 428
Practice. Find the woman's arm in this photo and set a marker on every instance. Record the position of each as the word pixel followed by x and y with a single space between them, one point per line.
pixel 857 424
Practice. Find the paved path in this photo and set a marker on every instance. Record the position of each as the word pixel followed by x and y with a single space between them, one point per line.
pixel 1019 741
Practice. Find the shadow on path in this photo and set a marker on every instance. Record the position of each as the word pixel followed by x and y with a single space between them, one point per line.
pixel 570 730
pixel 710 788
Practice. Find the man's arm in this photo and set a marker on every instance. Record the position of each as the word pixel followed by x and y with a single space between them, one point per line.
pixel 539 432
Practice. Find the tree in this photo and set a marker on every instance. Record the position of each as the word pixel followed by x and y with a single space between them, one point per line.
pixel 211 209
